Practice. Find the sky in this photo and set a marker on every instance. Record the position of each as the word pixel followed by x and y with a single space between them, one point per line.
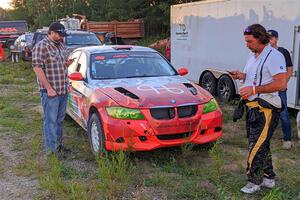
pixel 5 3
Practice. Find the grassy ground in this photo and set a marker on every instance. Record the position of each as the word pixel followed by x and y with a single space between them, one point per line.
pixel 175 173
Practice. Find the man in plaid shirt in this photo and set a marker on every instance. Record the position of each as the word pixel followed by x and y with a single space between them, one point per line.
pixel 50 63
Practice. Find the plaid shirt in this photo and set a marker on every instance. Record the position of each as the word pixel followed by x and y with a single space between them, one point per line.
pixel 52 58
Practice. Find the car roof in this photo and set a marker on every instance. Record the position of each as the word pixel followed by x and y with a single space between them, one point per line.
pixel 78 32
pixel 28 33
pixel 115 48
pixel 45 31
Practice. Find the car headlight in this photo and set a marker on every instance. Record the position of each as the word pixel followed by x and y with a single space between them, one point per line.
pixel 210 106
pixel 124 113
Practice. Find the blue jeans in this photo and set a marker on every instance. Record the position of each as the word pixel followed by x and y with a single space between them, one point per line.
pixel 54 113
pixel 284 118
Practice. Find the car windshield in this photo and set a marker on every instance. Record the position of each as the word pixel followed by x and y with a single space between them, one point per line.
pixel 38 37
pixel 129 65
pixel 28 38
pixel 82 39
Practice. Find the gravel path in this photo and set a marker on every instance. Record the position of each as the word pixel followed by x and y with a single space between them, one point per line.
pixel 12 186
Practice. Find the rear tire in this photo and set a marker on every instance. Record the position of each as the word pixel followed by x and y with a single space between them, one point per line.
pixel 225 89
pixel 96 135
pixel 209 82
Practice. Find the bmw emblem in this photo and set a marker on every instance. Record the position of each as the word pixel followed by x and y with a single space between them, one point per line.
pixel 173 101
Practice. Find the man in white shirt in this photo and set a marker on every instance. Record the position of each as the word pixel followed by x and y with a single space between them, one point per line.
pixel 264 75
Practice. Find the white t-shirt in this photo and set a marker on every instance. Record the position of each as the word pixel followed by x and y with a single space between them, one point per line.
pixel 273 64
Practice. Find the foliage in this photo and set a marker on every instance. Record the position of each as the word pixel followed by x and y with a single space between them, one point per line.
pixel 38 13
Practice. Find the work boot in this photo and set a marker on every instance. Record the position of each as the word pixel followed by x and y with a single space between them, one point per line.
pixel 63 149
pixel 250 188
pixel 63 152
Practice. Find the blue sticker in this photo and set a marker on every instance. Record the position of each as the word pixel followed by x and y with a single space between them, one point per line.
pixel 281 67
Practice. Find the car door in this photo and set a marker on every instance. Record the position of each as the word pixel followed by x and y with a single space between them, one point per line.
pixel 72 108
pixel 79 91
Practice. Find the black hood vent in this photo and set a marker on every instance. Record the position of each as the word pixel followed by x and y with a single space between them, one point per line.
pixel 126 92
pixel 191 88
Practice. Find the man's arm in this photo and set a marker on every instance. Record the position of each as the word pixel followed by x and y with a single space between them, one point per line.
pixel 278 84
pixel 42 78
pixel 289 73
pixel 289 63
pixel 237 75
pixel 70 61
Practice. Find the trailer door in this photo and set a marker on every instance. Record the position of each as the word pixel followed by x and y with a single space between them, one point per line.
pixel 293 92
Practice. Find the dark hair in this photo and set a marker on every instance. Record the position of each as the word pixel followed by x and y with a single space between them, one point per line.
pixel 258 32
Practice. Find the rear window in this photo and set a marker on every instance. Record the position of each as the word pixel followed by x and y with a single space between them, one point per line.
pixel 82 39
pixel 129 65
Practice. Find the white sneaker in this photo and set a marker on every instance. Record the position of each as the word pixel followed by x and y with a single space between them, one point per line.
pixel 287 145
pixel 268 183
pixel 250 188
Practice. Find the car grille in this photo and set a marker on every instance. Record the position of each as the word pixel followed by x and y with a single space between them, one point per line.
pixel 162 113
pixel 174 136
pixel 187 111
pixel 169 113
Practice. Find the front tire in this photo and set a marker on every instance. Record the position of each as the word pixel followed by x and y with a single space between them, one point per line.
pixel 96 135
pixel 225 89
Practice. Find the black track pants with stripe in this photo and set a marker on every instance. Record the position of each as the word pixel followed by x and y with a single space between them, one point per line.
pixel 260 124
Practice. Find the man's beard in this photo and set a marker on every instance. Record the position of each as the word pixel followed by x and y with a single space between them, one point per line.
pixel 254 50
pixel 58 41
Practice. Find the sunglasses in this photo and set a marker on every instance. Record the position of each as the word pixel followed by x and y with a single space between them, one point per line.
pixel 248 30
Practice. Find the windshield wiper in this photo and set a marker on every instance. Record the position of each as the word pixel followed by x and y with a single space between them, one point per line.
pixel 104 78
pixel 140 76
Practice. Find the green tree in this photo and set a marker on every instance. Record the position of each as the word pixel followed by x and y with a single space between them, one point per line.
pixel 38 13
pixel 97 10
pixel 3 14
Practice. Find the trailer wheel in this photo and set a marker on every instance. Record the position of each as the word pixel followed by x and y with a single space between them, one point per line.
pixel 225 89
pixel 209 82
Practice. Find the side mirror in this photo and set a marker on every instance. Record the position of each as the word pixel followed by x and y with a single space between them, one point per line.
pixel 182 71
pixel 76 76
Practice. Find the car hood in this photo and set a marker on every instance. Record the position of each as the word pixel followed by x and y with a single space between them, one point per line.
pixel 149 92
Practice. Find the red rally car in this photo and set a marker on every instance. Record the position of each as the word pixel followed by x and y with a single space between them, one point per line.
pixel 131 98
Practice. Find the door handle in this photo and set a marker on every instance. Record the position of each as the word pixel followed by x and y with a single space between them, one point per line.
pixel 295 73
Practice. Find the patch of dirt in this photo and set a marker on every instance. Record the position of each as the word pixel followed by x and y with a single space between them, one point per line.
pixel 12 186
pixel 209 186
pixel 142 193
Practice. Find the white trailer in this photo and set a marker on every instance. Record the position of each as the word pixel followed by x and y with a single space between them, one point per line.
pixel 207 38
